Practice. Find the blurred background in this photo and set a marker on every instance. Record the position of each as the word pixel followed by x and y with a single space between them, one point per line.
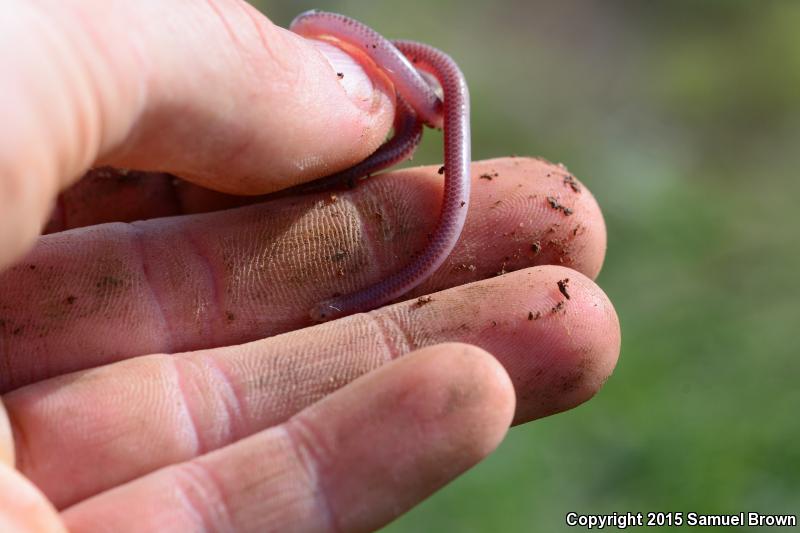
pixel 683 118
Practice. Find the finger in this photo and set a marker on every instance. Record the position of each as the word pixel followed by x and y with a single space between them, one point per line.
pixel 23 508
pixel 168 285
pixel 106 195
pixel 352 462
pixel 211 91
pixel 168 409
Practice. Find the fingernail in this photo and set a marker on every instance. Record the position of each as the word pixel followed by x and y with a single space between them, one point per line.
pixel 355 81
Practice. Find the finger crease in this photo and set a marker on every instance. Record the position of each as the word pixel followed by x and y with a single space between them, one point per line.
pixel 168 340
pixel 183 386
pixel 393 336
pixel 221 16
pixel 224 389
pixel 204 496
pixel 214 286
pixel 259 22
pixel 308 448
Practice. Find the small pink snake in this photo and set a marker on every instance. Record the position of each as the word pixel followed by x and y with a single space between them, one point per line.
pixel 407 64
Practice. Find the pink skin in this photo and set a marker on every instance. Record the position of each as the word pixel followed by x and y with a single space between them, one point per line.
pixel 402 62
pixel 406 138
pixel 127 347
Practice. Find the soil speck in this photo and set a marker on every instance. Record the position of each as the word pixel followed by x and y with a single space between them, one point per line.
pixel 555 204
pixel 562 287
pixel 424 300
pixel 571 182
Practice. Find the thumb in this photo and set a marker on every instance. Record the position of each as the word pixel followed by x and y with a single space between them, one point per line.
pixel 22 506
pixel 211 91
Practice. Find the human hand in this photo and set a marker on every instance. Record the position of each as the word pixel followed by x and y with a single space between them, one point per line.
pixel 133 402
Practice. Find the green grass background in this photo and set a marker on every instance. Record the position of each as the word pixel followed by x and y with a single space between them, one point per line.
pixel 683 118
